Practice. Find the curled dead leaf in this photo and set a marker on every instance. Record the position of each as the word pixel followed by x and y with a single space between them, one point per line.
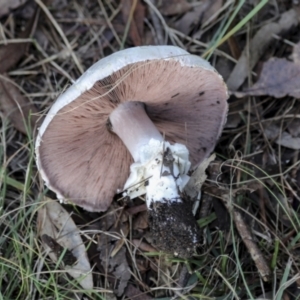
pixel 279 78
pixel 174 7
pixel 198 16
pixel 262 38
pixel 6 6
pixel 56 223
pixel 193 187
pixel 117 265
pixel 141 221
pixel 11 53
pixel 286 139
pixel 18 109
pixel 143 246
pixel 134 293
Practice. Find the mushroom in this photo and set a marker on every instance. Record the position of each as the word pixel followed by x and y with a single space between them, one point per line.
pixel 135 122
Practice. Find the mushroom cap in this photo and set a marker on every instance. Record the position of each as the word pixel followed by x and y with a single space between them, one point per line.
pixel 84 163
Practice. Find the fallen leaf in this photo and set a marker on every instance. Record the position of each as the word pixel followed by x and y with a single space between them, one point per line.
pixel 7 5
pixel 193 187
pixel 55 222
pixel 233 120
pixel 234 47
pixel 134 293
pixel 294 127
pixel 136 209
pixel 18 109
pixel 11 53
pixel 279 78
pixel 58 250
pixel 211 13
pixel 256 47
pixel 174 7
pixel 143 246
pixel 288 141
pixel 119 244
pixel 197 16
pixel 116 266
pixel 133 11
pixel 141 221
pixel 272 131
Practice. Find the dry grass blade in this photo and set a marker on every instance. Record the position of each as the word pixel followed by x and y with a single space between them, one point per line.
pixel 15 106
pixel 61 33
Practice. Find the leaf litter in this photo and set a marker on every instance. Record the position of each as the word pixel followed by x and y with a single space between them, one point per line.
pixel 15 106
pixel 257 46
pixel 7 6
pixel 269 210
pixel 279 78
pixel 60 235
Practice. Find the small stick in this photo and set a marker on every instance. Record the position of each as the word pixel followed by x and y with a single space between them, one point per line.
pixel 246 236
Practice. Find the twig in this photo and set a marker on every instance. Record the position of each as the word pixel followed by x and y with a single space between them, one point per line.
pixel 246 236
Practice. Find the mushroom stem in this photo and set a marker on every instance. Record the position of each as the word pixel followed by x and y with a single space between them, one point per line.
pixel 159 171
pixel 133 126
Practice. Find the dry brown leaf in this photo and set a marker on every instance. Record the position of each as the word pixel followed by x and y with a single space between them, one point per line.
pixel 286 139
pixel 141 222
pixel 233 120
pixel 211 10
pixel 294 128
pixel 198 16
pixel 15 106
pixel 56 248
pixel 174 7
pixel 136 209
pixel 116 266
pixel 136 28
pixel 119 244
pixel 134 293
pixel 143 246
pixel 11 53
pixel 257 45
pixel 193 187
pixel 279 78
pixel 7 5
pixel 55 222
